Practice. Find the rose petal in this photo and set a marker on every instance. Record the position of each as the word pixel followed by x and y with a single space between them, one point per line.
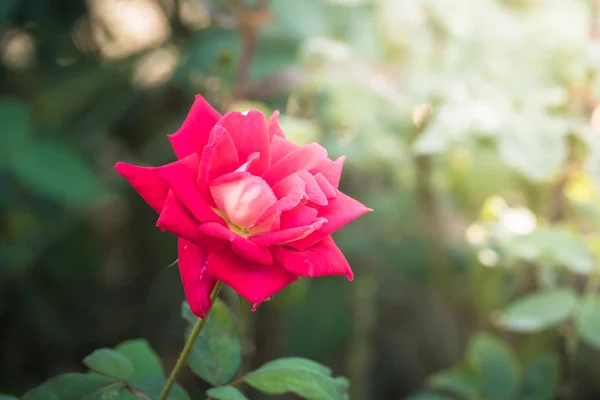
pixel 305 157
pixel 176 219
pixel 340 211
pixel 180 176
pixel 255 282
pixel 249 133
pixel 281 147
pixel 152 189
pixel 322 259
pixel 219 156
pixel 273 128
pixel 247 166
pixel 289 192
pixel 326 187
pixel 197 282
pixel 240 245
pixel 194 132
pixel 287 235
pixel 298 216
pixel 313 190
pixel 243 201
pixel 332 170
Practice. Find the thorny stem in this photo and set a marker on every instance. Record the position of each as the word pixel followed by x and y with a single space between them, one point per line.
pixel 189 344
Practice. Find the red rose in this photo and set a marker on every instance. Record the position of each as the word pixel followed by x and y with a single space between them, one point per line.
pixel 250 208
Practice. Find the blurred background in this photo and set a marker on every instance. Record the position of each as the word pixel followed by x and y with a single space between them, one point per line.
pixel 466 126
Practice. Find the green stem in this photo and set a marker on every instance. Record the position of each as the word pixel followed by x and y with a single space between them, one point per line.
pixel 187 349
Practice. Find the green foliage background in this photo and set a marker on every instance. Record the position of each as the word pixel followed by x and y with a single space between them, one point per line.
pixel 466 128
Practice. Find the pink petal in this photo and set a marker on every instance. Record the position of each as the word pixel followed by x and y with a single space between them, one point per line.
pixel 180 176
pixel 230 177
pixel 305 157
pixel 332 170
pixel 255 282
pixel 193 134
pixel 289 191
pixel 197 283
pixel 243 201
pixel 281 147
pixel 176 219
pixel 217 230
pixel 152 189
pixel 326 187
pixel 340 211
pixel 248 165
pixel 313 190
pixel 273 127
pixel 251 251
pixel 219 156
pixel 287 235
pixel 322 259
pixel 240 245
pixel 249 133
pixel 298 216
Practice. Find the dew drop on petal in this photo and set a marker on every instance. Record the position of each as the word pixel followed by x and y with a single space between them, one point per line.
pixel 255 305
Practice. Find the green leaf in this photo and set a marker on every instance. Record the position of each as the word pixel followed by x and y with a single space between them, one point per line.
pixel 496 367
pixel 226 393
pixel 109 362
pixel 55 171
pixel 304 377
pixel 73 386
pixel 541 378
pixel 146 363
pixel 539 311
pixel 587 321
pixel 16 126
pixel 8 397
pixel 217 352
pixel 458 381
pixel 555 246
pixel 152 387
pixel 187 313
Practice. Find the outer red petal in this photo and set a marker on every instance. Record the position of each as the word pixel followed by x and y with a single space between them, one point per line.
pixel 281 147
pixel 332 170
pixel 176 219
pixel 152 189
pixel 305 157
pixel 298 216
pixel 197 282
pixel 180 176
pixel 255 282
pixel 340 211
pixel 194 132
pixel 240 245
pixel 249 133
pixel 287 235
pixel 324 258
pixel 219 157
pixel 273 127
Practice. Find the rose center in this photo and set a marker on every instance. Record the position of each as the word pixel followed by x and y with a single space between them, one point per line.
pixel 242 202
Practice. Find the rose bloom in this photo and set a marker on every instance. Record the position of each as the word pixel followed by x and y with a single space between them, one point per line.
pixel 250 208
